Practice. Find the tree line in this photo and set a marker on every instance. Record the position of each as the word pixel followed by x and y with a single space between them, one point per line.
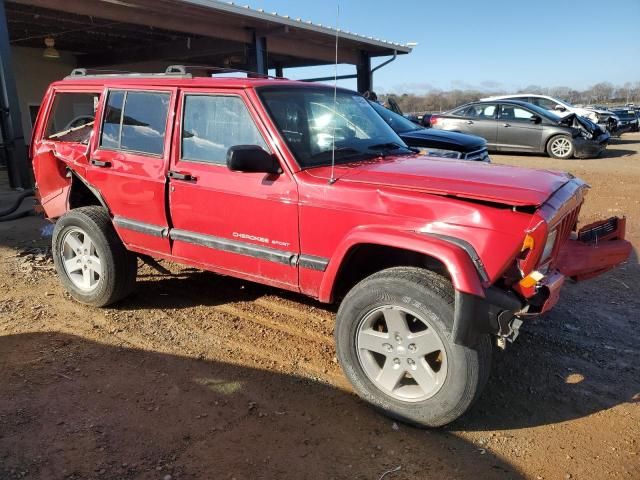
pixel 604 93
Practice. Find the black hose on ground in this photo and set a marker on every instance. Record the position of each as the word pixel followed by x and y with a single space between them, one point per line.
pixel 16 215
pixel 18 201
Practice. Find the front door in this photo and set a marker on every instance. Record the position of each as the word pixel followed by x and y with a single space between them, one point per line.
pixel 244 224
pixel 519 129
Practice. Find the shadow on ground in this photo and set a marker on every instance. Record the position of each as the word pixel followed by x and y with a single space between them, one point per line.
pixel 72 408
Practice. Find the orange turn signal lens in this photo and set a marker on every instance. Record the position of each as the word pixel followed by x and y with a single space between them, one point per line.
pixel 528 243
pixel 531 280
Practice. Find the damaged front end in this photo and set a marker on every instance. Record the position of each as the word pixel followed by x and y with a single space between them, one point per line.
pixel 589 138
pixel 552 251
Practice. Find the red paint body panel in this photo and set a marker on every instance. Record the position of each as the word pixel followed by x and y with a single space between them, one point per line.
pixel 458 178
pixel 332 221
pixel 256 208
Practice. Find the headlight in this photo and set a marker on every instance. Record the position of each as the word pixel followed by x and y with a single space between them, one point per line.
pixel 439 152
pixel 548 246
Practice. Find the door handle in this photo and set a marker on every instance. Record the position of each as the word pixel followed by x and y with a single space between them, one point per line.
pixel 187 177
pixel 469 122
pixel 506 125
pixel 99 163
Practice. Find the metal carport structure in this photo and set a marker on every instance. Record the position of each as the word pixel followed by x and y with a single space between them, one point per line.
pixel 148 35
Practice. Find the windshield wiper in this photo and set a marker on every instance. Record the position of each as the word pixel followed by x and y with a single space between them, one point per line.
pixel 392 146
pixel 342 155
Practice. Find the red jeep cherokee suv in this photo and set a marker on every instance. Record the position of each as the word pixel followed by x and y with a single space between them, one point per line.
pixel 306 188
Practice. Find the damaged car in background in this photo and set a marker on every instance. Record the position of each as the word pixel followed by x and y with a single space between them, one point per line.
pixel 514 126
pixel 600 115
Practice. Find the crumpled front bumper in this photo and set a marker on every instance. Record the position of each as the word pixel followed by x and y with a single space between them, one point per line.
pixel 585 148
pixel 598 248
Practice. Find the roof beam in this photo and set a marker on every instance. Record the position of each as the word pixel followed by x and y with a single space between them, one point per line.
pixel 182 49
pixel 132 14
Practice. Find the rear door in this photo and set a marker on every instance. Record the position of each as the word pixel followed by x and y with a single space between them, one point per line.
pixel 480 120
pixel 244 224
pixel 129 162
pixel 517 130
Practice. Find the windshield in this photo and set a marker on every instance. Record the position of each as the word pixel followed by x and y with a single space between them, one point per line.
pixel 543 112
pixel 309 123
pixel 399 123
pixel 564 103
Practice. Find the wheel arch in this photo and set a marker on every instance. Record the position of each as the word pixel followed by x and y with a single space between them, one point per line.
pixel 380 247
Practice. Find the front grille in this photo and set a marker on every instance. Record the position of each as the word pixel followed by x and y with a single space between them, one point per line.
pixel 598 231
pixel 565 226
pixel 477 155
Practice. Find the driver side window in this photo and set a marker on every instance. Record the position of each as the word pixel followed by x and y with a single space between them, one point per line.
pixel 213 124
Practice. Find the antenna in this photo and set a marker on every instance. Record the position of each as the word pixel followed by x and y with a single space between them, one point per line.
pixel 332 180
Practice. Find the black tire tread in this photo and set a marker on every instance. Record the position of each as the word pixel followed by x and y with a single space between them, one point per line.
pixel 479 371
pixel 125 262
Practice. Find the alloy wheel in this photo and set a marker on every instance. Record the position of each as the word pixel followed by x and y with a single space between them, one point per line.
pixel 561 147
pixel 401 353
pixel 80 260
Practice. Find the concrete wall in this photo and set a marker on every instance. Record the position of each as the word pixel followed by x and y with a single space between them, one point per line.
pixel 33 74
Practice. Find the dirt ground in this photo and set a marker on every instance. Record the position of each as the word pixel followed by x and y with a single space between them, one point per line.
pixel 198 376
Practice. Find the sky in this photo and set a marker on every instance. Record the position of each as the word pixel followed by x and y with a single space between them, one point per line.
pixel 490 45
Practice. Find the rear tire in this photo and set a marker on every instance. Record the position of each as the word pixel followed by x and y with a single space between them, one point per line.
pixel 393 339
pixel 92 263
pixel 560 147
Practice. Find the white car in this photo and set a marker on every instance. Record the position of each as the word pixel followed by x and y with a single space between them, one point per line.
pixel 562 108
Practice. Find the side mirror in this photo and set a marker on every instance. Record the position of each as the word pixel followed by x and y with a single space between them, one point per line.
pixel 559 108
pixel 252 159
pixel 535 119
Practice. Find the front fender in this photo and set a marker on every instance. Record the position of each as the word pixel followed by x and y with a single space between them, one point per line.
pixel 454 254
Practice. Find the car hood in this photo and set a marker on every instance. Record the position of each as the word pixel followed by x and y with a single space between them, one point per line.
pixel 427 137
pixel 503 184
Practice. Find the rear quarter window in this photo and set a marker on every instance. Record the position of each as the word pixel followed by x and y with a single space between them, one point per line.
pixel 72 117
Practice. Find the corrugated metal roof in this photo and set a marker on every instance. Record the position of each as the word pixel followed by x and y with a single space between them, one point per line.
pixel 274 17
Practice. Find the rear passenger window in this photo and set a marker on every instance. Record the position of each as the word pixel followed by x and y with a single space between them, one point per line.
pixel 481 111
pixel 213 124
pixel 72 117
pixel 135 121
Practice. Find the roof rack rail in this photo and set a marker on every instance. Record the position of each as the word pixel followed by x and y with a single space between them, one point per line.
pixel 208 70
pixel 78 73
pixel 172 71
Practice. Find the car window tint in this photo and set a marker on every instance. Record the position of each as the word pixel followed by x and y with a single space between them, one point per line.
pixel 112 119
pixel 135 121
pixel 545 103
pixel 213 124
pixel 144 122
pixel 481 111
pixel 72 116
pixel 461 112
pixel 510 112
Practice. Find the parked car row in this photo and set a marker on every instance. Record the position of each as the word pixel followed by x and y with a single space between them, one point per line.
pixel 517 126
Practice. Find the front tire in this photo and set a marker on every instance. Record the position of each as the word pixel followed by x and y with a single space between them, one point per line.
pixel 393 339
pixel 92 263
pixel 560 147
